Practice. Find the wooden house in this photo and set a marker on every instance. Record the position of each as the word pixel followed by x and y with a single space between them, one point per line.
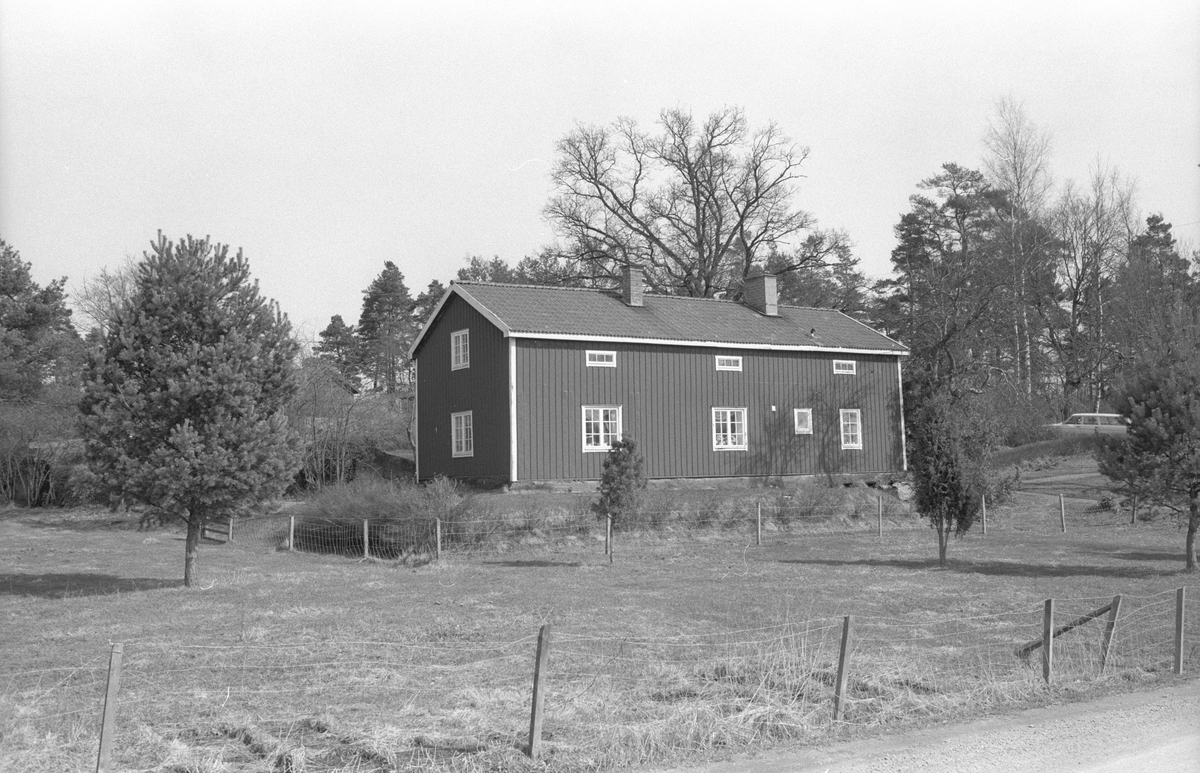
pixel 524 384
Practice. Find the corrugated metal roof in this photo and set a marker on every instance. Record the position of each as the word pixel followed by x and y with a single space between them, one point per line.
pixel 531 310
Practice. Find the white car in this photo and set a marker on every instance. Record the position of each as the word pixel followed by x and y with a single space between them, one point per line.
pixel 1091 424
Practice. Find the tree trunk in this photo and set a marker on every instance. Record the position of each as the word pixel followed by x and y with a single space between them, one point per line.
pixel 1193 525
pixel 943 532
pixel 191 550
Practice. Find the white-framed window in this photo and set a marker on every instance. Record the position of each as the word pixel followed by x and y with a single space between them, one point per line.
pixel 601 426
pixel 725 362
pixel 462 434
pixel 845 367
pixel 460 349
pixel 802 418
pixel 601 359
pixel 729 429
pixel 852 428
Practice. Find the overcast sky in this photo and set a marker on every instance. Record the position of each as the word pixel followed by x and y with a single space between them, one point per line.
pixel 326 138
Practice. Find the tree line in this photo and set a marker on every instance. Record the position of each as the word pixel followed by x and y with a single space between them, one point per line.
pixel 1019 299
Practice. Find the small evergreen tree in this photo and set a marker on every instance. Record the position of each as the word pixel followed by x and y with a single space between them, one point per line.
pixel 1159 460
pixel 949 442
pixel 183 403
pixel 621 480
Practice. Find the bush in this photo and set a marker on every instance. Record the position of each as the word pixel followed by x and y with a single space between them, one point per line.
pixel 401 517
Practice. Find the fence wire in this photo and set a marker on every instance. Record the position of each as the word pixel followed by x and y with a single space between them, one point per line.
pixel 384 700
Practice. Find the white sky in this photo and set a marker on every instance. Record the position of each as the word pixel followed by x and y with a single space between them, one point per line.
pixel 325 138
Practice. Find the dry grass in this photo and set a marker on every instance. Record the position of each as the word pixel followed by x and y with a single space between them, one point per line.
pixel 689 644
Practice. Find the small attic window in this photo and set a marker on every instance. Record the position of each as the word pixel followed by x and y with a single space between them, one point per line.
pixel 845 367
pixel 601 359
pixel 729 363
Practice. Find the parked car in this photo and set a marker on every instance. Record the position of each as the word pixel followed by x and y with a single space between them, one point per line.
pixel 1090 424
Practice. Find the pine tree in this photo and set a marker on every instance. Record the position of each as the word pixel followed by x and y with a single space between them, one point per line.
pixel 339 347
pixel 35 327
pixel 1159 460
pixel 183 404
pixel 385 329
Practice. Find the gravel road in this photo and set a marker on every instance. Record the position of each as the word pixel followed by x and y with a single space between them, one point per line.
pixel 1155 732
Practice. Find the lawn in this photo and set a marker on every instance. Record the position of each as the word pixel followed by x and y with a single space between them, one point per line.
pixel 688 644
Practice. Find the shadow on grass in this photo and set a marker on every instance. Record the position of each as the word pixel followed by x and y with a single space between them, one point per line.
pixel 533 563
pixel 61 586
pixel 1139 555
pixel 998 568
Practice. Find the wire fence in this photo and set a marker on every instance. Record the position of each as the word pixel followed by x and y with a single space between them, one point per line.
pixel 410 537
pixel 619 699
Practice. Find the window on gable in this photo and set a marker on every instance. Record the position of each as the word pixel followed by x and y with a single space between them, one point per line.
pixel 601 426
pixel 729 429
pixel 803 421
pixel 845 367
pixel 460 349
pixel 601 359
pixel 462 434
pixel 729 363
pixel 852 429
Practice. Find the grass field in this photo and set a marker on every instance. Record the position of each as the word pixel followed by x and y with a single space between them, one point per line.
pixel 683 647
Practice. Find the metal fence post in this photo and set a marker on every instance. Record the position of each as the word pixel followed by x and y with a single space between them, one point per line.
pixel 758 532
pixel 437 524
pixel 1062 513
pixel 366 539
pixel 983 505
pixel 291 532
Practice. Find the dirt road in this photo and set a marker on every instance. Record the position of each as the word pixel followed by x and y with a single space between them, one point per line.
pixel 1155 732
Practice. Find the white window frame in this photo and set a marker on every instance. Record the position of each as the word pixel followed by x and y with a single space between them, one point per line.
pixel 600 358
pixel 604 438
pixel 732 362
pixel 851 441
pixel 727 441
pixel 462 434
pixel 845 367
pixel 806 413
pixel 460 349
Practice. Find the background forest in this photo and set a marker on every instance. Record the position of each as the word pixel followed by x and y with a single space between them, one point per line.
pixel 1031 297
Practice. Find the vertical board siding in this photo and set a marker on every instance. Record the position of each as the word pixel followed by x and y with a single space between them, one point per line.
pixel 481 388
pixel 667 394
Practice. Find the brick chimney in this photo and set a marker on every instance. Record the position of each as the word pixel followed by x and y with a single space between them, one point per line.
pixel 760 294
pixel 631 284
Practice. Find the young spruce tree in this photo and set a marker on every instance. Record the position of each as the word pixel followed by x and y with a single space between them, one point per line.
pixel 183 402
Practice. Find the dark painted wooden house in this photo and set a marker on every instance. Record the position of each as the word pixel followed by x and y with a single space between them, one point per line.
pixel 521 384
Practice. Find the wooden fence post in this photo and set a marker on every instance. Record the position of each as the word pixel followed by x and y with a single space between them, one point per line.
pixel 108 724
pixel 758 531
pixel 1179 602
pixel 983 504
pixel 608 546
pixel 879 511
pixel 437 525
pixel 291 533
pixel 1062 513
pixel 1133 512
pixel 366 539
pixel 843 674
pixel 1109 629
pixel 535 715
pixel 1048 641
pixel 230 533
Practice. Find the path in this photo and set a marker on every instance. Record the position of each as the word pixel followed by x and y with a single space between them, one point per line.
pixel 1155 731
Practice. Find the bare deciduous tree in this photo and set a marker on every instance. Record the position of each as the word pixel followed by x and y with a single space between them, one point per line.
pixel 1017 161
pixel 699 203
